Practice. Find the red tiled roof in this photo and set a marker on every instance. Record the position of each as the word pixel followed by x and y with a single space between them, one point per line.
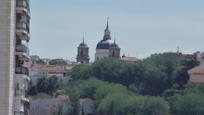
pixel 56 75
pixel 131 59
pixel 197 70
pixel 56 68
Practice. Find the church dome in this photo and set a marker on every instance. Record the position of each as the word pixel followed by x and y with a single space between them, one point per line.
pixel 114 45
pixel 104 44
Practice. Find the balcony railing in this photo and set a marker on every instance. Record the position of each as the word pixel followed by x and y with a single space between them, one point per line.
pixel 22 48
pixel 22 3
pixel 22 25
pixel 22 70
pixel 22 30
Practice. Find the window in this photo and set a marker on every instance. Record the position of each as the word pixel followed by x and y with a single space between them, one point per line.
pixel 17 86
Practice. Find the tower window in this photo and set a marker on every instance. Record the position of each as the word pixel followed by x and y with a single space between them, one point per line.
pixel 113 54
pixel 17 86
pixel 82 52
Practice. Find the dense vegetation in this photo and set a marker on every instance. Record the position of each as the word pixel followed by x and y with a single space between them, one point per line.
pixel 154 86
pixel 45 85
pixel 152 76
pixel 115 99
pixel 157 85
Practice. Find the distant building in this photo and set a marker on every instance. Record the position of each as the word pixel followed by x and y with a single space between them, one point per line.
pixel 197 74
pixel 107 47
pixel 83 53
pixel 200 57
pixel 34 58
pixel 52 106
pixel 38 69
pixel 56 70
pixel 188 57
pixel 87 106
pixel 58 67
pixel 61 80
pixel 129 59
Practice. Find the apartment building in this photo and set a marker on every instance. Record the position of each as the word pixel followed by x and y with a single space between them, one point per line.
pixel 14 57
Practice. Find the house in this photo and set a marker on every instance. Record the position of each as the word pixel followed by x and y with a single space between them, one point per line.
pixel 87 106
pixel 128 58
pixel 197 74
pixel 50 106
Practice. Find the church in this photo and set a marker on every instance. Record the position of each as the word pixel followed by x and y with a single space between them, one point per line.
pixel 107 47
pixel 104 49
pixel 83 53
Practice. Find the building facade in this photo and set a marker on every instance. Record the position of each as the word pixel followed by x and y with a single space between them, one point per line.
pixel 51 106
pixel 107 47
pixel 83 53
pixel 7 50
pixel 22 59
pixel 128 58
pixel 200 57
pixel 14 57
pixel 197 74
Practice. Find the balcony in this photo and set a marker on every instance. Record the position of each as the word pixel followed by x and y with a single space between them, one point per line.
pixel 24 99
pixel 20 76
pixel 22 52
pixel 22 30
pixel 22 7
pixel 22 70
pixel 22 48
pixel 21 104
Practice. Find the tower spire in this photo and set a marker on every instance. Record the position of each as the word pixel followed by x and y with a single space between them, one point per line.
pixel 114 38
pixel 107 26
pixel 107 33
pixel 83 38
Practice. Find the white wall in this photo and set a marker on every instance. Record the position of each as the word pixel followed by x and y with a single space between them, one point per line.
pixel 7 44
pixel 101 53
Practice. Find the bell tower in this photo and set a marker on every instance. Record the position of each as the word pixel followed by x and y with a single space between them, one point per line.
pixel 83 53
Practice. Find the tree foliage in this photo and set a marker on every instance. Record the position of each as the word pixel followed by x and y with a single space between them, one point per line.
pixel 45 85
pixel 57 62
pixel 129 88
pixel 115 99
pixel 151 76
pixel 188 104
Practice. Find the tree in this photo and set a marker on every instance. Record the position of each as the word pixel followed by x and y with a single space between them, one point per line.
pixel 53 84
pixel 32 90
pixel 123 104
pixel 57 62
pixel 42 84
pixel 154 81
pixel 188 104
pixel 81 72
pixel 151 76
pixel 47 85
pixel 115 99
pixel 181 73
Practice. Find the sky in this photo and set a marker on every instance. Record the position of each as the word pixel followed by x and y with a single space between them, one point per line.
pixel 141 27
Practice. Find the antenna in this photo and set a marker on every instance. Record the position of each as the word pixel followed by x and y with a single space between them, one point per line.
pixel 178 49
pixel 114 37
